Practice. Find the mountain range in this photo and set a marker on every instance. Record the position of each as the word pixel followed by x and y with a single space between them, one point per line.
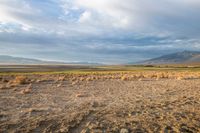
pixel 184 57
pixel 10 60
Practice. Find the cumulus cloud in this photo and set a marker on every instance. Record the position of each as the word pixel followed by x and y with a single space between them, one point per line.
pixel 151 17
pixel 86 16
pixel 124 30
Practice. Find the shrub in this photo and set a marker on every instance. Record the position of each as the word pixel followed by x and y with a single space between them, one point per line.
pixel 20 80
pixel 61 78
pixel 124 78
pixel 179 78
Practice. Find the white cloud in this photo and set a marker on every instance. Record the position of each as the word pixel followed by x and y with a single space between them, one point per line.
pixel 13 11
pixel 152 17
pixel 102 24
pixel 142 16
pixel 86 16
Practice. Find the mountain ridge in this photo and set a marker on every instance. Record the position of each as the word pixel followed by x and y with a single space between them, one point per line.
pixel 11 60
pixel 184 57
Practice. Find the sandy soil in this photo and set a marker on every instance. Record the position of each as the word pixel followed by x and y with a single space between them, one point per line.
pixel 101 106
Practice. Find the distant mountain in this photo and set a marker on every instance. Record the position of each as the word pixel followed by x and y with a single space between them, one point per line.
pixel 185 57
pixel 10 60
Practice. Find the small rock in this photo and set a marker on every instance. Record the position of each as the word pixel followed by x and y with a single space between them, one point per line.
pixel 5 80
pixel 98 131
pixel 123 130
pixel 129 114
pixel 87 130
pixel 63 130
pixel 81 95
pixel 74 82
pixel 59 85
pixel 92 126
pixel 95 104
pixel 62 78
pixel 3 87
pixel 140 79
pixel 27 90
pixel 38 81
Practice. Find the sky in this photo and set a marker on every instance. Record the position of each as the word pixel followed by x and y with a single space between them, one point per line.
pixel 103 31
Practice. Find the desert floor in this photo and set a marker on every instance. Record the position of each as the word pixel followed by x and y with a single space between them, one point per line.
pixel 99 106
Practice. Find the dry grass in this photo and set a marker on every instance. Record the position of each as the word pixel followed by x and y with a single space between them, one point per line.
pixel 101 100
pixel 61 78
pixel 124 78
pixel 20 80
pixel 179 78
pixel 131 76
pixel 76 78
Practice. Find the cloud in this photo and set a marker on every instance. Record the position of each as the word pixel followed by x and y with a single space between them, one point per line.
pixel 151 17
pixel 86 16
pixel 85 30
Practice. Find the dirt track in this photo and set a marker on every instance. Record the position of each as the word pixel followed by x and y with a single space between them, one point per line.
pixel 102 106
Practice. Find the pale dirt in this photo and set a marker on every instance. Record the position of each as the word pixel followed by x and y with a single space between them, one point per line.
pixel 102 106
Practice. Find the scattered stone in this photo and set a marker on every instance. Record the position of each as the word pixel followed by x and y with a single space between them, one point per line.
pixel 7 86
pixel 89 79
pixel 140 79
pixel 36 111
pixel 123 130
pixel 186 129
pixel 98 131
pixel 38 81
pixel 74 82
pixel 61 78
pixel 82 79
pixel 179 78
pixel 27 90
pixel 63 130
pixel 3 117
pixel 5 80
pixel 168 129
pixel 59 85
pixel 3 87
pixel 85 130
pixel 81 95
pixel 95 104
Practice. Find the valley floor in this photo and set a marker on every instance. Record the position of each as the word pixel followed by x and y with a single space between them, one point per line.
pixel 101 106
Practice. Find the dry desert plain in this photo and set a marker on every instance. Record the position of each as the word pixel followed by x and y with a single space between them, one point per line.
pixel 100 102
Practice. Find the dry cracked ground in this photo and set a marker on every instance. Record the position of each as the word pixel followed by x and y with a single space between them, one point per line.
pixel 99 106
